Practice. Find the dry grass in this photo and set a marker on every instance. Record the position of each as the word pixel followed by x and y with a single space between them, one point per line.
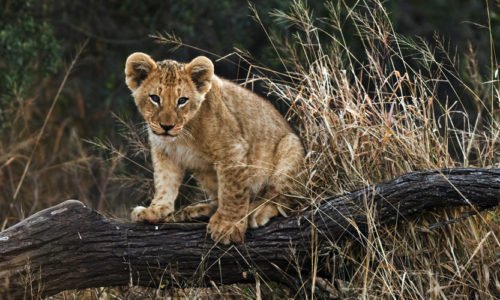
pixel 363 117
pixel 369 117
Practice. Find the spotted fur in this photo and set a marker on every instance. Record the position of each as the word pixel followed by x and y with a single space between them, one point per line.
pixel 240 149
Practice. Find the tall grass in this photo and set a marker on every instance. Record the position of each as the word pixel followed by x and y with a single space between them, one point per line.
pixel 370 116
pixel 396 106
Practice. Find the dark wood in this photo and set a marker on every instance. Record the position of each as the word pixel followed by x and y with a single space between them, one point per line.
pixel 71 246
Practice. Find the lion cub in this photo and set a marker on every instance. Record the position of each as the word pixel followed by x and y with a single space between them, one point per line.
pixel 236 145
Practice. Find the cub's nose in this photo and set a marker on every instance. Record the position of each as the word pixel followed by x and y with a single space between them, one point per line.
pixel 167 127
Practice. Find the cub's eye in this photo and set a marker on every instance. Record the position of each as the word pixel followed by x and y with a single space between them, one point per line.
pixel 155 99
pixel 182 101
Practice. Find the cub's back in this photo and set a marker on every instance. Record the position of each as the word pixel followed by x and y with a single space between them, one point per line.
pixel 257 116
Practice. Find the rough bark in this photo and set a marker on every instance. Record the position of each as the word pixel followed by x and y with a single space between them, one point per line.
pixel 71 246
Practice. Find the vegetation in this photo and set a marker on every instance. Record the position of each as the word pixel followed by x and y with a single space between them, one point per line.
pixel 370 117
pixel 369 102
pixel 29 51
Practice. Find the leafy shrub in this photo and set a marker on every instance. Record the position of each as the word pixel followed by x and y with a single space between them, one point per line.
pixel 29 51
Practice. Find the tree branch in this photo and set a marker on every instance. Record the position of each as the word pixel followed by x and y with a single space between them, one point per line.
pixel 71 246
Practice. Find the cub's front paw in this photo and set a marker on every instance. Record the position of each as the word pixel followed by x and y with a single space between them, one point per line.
pixel 151 214
pixel 226 230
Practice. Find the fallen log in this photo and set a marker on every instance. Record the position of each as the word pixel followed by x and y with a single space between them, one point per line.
pixel 70 246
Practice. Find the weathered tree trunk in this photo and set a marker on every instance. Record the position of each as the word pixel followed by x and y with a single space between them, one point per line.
pixel 70 246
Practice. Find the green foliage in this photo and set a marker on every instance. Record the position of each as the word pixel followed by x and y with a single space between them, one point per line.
pixel 28 51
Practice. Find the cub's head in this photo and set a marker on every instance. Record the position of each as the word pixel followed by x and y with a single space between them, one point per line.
pixel 168 94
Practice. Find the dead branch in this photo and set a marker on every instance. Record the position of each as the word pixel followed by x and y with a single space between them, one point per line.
pixel 71 246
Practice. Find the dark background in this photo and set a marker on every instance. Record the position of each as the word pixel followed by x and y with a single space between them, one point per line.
pixel 39 39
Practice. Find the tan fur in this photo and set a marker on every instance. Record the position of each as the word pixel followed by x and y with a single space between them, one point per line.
pixel 234 142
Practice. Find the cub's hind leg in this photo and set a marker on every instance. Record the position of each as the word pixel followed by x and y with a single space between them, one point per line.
pixel 208 183
pixel 194 211
pixel 289 157
pixel 261 212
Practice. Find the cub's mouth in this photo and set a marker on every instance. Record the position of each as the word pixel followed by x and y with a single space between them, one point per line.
pixel 166 131
pixel 166 134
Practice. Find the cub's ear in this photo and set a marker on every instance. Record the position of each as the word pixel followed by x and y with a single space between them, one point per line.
pixel 202 71
pixel 137 68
